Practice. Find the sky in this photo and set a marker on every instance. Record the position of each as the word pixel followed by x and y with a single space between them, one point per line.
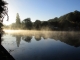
pixel 39 9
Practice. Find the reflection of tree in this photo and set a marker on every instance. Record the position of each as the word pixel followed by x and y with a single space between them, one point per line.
pixel 74 41
pixel 71 39
pixel 27 38
pixel 37 38
pixel 18 39
pixel 44 37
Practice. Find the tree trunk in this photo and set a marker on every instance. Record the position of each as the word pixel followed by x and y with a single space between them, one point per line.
pixel 0 39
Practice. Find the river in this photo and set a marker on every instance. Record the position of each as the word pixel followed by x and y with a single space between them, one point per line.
pixel 42 45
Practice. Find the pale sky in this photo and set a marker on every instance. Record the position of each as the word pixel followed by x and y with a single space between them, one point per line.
pixel 40 9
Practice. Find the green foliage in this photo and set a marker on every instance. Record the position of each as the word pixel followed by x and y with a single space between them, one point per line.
pixel 37 24
pixel 17 19
pixel 27 23
pixel 18 23
pixel 69 21
pixel 53 20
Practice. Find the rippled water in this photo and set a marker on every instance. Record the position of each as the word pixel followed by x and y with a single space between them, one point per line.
pixel 50 46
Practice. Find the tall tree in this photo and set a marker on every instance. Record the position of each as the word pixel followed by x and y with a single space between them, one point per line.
pixel 3 13
pixel 18 23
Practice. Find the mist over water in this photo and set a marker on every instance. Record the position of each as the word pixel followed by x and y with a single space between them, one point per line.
pixel 42 45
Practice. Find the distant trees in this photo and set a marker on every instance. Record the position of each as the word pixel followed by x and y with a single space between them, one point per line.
pixel 44 24
pixel 27 23
pixel 27 38
pixel 13 26
pixel 69 21
pixel 18 23
pixel 37 24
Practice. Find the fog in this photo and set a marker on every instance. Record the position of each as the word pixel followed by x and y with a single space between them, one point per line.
pixel 46 34
pixel 68 37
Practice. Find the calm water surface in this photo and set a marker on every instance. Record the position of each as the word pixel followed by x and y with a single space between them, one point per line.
pixel 40 47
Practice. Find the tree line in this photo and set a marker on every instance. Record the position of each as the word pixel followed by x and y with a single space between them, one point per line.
pixel 69 21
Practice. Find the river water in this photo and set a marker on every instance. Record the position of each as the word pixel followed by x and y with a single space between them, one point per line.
pixel 50 46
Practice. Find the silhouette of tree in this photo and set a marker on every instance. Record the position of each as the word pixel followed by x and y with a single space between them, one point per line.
pixel 37 24
pixel 69 21
pixel 3 13
pixel 18 23
pixel 44 24
pixel 27 23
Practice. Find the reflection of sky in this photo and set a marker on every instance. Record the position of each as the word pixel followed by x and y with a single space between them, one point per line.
pixel 9 42
pixel 43 49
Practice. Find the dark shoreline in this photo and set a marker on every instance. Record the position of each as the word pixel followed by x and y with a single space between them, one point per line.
pixel 4 54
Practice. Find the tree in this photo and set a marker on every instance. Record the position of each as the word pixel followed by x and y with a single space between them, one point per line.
pixel 37 24
pixel 53 20
pixel 44 24
pixel 18 23
pixel 27 22
pixel 3 13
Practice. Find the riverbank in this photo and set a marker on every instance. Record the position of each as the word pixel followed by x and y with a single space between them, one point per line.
pixel 4 54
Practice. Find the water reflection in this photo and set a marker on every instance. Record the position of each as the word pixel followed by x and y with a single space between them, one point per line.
pixel 38 37
pixel 18 39
pixel 68 38
pixel 44 46
pixel 27 38
pixel 71 39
